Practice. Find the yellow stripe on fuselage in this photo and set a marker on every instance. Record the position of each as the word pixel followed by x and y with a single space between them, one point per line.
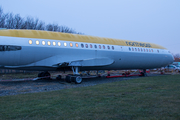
pixel 74 37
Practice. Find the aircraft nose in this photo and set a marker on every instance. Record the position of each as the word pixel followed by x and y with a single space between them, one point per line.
pixel 171 58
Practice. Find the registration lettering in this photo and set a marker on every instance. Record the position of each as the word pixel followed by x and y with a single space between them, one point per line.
pixel 137 44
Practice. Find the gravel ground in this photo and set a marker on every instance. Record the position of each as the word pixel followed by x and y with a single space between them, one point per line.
pixel 22 87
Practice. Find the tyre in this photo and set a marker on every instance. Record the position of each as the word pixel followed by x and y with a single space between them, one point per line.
pixel 77 79
pixel 142 74
pixel 46 75
pixel 58 77
pixel 40 74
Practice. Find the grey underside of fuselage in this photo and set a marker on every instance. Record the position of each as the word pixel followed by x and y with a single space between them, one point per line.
pixel 50 59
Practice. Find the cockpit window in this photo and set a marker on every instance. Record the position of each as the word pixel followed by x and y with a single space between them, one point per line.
pixel 9 48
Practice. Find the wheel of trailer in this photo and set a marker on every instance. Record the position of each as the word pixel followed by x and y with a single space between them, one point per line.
pixel 77 79
pixel 58 77
pixel 46 75
pixel 68 79
pixel 142 74
pixel 40 74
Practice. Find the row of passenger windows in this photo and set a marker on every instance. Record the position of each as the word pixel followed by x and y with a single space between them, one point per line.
pixel 71 44
pixel 142 49
pixel 90 46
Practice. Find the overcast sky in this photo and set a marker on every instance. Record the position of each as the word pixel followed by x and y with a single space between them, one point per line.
pixel 154 21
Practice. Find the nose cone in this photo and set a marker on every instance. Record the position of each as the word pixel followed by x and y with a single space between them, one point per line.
pixel 171 59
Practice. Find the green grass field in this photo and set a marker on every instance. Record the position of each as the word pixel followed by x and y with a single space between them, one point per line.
pixel 142 98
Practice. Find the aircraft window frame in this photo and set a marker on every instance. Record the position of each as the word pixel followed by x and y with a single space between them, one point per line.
pixel 54 43
pixel 71 45
pixel 112 47
pixel 82 45
pixel 59 43
pixel 76 44
pixel 49 43
pixel 43 42
pixel 65 44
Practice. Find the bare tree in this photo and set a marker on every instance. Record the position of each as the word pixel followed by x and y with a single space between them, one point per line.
pixel 11 21
pixel 177 55
pixel 18 21
pixel 40 26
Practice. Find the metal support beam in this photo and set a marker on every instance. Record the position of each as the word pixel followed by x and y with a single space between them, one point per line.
pixel 75 70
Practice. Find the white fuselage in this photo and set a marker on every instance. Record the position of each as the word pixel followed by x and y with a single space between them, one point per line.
pixel 37 56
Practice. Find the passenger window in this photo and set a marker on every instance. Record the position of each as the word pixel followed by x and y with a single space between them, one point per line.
pixel 59 44
pixel 95 46
pixel 113 47
pixel 103 47
pixel 129 49
pixel 76 45
pixel 37 42
pixel 43 42
pixel 65 44
pixel 82 45
pixel 99 46
pixel 90 46
pixel 86 45
pixel 54 43
pixel 49 43
pixel 30 42
pixel 108 47
pixel 71 44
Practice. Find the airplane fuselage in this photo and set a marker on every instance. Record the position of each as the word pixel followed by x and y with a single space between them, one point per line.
pixel 33 52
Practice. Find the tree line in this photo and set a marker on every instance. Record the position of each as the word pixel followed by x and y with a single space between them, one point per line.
pixel 11 21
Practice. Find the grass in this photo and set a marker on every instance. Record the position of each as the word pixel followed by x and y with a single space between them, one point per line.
pixel 141 98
